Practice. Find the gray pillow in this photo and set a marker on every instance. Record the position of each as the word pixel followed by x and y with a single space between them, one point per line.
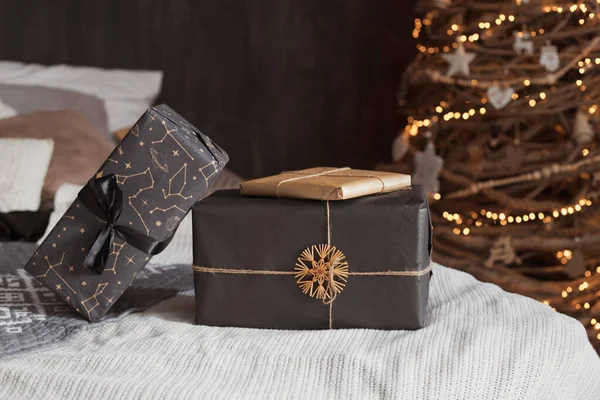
pixel 25 99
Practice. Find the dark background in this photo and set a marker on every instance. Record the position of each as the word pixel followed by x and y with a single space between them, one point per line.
pixel 280 84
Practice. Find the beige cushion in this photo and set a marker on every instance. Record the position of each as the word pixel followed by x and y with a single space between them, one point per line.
pixel 79 149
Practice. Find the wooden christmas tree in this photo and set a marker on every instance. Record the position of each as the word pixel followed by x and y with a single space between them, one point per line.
pixel 503 102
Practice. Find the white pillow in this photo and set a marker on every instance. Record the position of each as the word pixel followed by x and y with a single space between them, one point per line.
pixel 126 93
pixel 6 111
pixel 23 167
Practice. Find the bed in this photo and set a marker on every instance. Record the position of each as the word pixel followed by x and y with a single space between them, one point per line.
pixel 478 343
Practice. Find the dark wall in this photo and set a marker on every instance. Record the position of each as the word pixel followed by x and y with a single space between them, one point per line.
pixel 280 84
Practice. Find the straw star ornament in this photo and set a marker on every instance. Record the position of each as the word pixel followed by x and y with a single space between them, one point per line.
pixel 321 271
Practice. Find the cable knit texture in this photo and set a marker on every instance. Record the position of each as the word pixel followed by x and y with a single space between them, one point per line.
pixel 478 343
pixel 23 167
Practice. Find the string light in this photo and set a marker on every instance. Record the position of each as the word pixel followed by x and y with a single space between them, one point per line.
pixel 494 217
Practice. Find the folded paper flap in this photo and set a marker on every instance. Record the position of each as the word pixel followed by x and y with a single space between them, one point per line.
pixel 376 233
pixel 168 113
pixel 325 183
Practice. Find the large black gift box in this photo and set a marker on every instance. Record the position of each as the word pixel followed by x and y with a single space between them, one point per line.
pixel 304 264
pixel 127 212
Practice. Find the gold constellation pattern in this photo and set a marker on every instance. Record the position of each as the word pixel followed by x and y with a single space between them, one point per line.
pixel 115 253
pixel 169 133
pixel 215 169
pixel 52 268
pixel 121 179
pixel 94 297
pixel 173 207
pixel 167 195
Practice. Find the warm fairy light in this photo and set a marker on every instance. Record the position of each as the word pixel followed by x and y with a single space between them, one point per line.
pixel 585 152
pixel 515 96
pixel 482 110
pixel 586 305
pixel 532 103
pixel 466 231
pixel 564 294
pixel 504 218
pixel 542 95
pixel 437 196
pixel 578 82
pixel 593 321
pixel 546 302
pixel 527 82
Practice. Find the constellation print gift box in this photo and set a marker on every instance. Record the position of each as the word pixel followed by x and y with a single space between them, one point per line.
pixel 305 264
pixel 127 212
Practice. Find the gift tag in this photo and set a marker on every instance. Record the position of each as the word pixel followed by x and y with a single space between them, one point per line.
pixel 498 97
pixel 549 57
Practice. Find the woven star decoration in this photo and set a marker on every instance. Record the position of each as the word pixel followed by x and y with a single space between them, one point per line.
pixel 458 61
pixel 321 271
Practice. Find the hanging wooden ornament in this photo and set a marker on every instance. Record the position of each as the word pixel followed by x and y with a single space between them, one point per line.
pixel 549 58
pixel 523 43
pixel 583 133
pixel 514 156
pixel 458 61
pixel 499 97
pixel 575 267
pixel 400 146
pixel 443 4
pixel 427 167
pixel 502 252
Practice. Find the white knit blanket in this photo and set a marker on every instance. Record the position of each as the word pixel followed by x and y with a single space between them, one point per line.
pixel 479 343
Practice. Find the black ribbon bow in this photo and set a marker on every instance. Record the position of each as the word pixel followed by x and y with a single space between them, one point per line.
pixel 103 198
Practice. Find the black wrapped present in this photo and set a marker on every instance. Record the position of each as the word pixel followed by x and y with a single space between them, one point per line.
pixel 127 212
pixel 303 264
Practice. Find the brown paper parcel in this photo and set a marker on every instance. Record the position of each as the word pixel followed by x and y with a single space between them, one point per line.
pixel 325 183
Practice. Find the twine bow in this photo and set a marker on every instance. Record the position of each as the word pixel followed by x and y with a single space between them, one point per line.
pixel 103 198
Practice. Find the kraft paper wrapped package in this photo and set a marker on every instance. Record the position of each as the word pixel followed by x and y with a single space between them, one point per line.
pixel 127 212
pixel 302 264
pixel 325 183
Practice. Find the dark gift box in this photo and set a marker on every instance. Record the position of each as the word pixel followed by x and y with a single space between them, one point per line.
pixel 127 212
pixel 303 264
